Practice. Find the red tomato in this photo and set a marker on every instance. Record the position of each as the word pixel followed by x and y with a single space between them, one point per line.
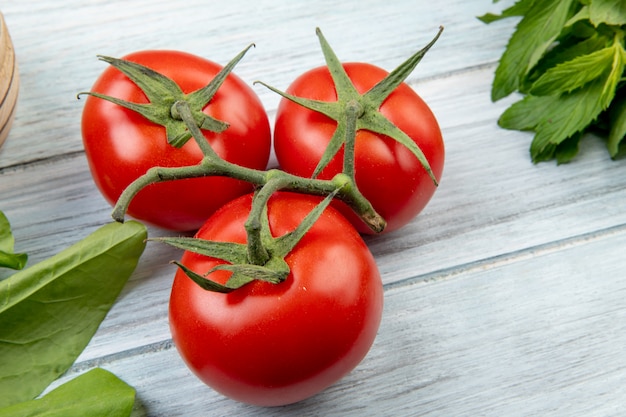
pixel 122 145
pixel 273 344
pixel 386 172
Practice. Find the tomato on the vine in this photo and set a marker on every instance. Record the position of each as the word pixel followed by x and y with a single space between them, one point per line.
pixel 386 172
pixel 273 344
pixel 121 145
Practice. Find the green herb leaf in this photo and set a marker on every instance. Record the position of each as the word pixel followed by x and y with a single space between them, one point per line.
pixel 8 259
pixel 96 393
pixel 537 30
pixel 610 12
pixel 568 58
pixel 528 113
pixel 50 311
pixel 574 74
pixel 555 118
pixel 567 50
pixel 618 126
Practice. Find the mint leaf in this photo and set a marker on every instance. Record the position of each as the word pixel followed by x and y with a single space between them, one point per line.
pixel 610 12
pixel 618 126
pixel 568 60
pixel 537 30
pixel 573 74
pixel 569 48
pixel 528 113
pixel 570 115
pixel 567 149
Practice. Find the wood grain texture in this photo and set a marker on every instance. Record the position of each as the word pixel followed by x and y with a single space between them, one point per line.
pixel 505 297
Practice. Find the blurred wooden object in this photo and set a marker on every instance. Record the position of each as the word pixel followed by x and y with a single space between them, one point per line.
pixel 9 81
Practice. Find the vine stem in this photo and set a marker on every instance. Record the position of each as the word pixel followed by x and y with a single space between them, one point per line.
pixel 213 165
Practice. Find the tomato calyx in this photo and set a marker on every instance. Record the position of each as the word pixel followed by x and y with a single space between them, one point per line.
pixel 341 186
pixel 261 259
pixel 163 95
pixel 354 111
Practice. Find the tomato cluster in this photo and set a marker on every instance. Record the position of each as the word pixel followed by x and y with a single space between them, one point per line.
pixel 266 343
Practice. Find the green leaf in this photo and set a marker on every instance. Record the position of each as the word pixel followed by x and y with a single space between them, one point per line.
pixel 528 113
pixel 535 33
pixel 610 12
pixel 574 74
pixel 556 118
pixel 50 311
pixel 518 9
pixel 618 125
pixel 96 393
pixel 8 259
pixel 567 149
pixel 566 50
pixel 570 115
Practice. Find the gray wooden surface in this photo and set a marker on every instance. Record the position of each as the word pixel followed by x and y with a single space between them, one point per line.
pixel 505 297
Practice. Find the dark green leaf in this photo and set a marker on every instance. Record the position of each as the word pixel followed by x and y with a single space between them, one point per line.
pixel 610 12
pixel 535 33
pixel 618 125
pixel 569 115
pixel 567 149
pixel 50 311
pixel 96 393
pixel 9 259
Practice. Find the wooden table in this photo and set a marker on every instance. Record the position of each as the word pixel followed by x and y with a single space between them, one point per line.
pixel 505 297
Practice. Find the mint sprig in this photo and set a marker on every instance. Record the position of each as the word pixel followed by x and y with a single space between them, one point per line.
pixel 568 59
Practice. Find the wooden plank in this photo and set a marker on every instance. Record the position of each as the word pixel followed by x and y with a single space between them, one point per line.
pixel 540 334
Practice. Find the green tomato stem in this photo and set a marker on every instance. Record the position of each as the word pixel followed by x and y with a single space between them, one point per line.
pixel 213 165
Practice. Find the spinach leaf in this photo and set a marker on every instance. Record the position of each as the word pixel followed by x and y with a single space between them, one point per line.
pixel 50 311
pixel 97 393
pixel 8 259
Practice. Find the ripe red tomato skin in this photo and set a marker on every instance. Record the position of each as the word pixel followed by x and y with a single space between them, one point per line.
pixel 387 173
pixel 275 344
pixel 122 145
